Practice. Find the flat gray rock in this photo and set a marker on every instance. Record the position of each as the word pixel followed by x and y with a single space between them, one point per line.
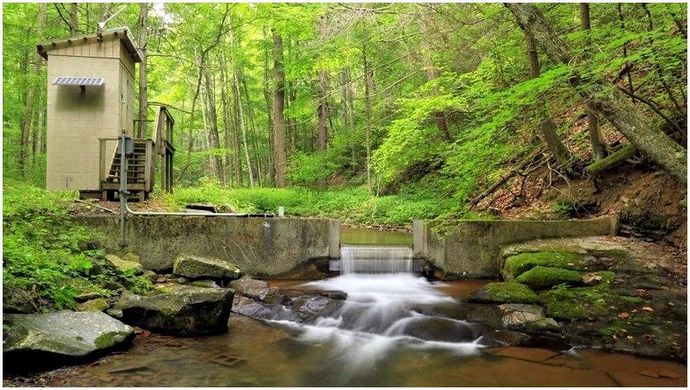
pixel 66 332
pixel 197 267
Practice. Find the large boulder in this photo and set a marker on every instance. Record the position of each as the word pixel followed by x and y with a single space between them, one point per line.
pixel 311 307
pixel 63 333
pixel 539 277
pixel 126 265
pixel 503 292
pixel 528 318
pixel 178 309
pixel 197 267
pixel 252 288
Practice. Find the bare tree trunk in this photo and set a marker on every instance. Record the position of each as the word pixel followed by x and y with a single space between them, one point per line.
pixel 322 110
pixel 143 91
pixel 368 86
pixel 240 115
pixel 625 53
pixel 292 121
pixel 269 113
pixel 213 137
pixel 227 144
pixel 250 112
pixel 278 108
pixel 73 20
pixel 547 127
pixel 595 139
pixel 609 102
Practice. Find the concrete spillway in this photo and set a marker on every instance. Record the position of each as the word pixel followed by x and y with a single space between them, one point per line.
pixel 375 259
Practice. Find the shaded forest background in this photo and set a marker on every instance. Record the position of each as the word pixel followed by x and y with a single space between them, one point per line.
pixel 389 111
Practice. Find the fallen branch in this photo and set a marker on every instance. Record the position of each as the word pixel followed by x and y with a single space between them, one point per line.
pixel 611 160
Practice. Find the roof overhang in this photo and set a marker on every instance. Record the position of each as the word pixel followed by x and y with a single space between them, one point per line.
pixel 121 33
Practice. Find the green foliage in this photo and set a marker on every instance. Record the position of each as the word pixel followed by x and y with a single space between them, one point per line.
pixel 47 254
pixel 516 265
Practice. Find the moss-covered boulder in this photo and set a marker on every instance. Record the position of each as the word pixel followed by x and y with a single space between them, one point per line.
pixel 179 309
pixel 98 304
pixel 586 303
pixel 516 265
pixel 125 265
pixel 197 267
pixel 62 333
pixel 529 318
pixel 539 277
pixel 504 292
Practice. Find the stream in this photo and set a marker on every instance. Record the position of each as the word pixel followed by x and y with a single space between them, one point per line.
pixel 393 330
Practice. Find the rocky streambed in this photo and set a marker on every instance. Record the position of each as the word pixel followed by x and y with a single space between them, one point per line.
pixel 218 328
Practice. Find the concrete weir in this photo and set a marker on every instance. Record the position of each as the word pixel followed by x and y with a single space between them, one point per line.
pixel 258 246
pixel 471 248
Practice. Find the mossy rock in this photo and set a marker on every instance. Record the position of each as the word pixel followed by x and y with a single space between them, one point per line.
pixel 516 265
pixel 599 278
pixel 98 304
pixel 539 277
pixel 586 302
pixel 504 292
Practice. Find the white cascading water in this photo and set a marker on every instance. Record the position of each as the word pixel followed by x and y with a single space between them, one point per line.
pixel 375 259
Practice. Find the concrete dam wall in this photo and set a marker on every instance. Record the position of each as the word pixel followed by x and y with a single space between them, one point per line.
pixel 258 246
pixel 471 249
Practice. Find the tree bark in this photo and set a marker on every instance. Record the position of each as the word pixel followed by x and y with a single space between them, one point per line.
pixel 213 136
pixel 73 20
pixel 619 6
pixel 143 91
pixel 225 103
pixel 609 102
pixel 368 86
pixel 547 127
pixel 322 110
pixel 595 139
pixel 243 129
pixel 269 112
pixel 278 108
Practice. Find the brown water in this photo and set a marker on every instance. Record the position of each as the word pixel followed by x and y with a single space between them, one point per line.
pixel 258 353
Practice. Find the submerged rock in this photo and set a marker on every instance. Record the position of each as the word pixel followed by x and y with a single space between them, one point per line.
pixel 182 310
pixel 125 265
pixel 66 333
pixel 265 311
pixel 310 307
pixel 503 292
pixel 253 288
pixel 544 277
pixel 527 317
pixel 197 267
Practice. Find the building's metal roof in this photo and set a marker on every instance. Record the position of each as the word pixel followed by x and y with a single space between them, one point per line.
pixel 122 33
pixel 91 81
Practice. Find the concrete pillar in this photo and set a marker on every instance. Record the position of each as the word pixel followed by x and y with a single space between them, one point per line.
pixel 419 238
pixel 333 238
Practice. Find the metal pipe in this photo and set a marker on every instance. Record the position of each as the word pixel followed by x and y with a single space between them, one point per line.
pixel 239 215
pixel 123 188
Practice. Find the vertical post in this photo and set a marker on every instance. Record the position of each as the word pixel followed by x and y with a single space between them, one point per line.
pixel 333 238
pixel 419 238
pixel 123 187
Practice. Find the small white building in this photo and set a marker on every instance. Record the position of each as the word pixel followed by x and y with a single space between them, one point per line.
pixel 90 103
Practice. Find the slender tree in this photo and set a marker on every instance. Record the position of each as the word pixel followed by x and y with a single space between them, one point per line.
pixel 278 111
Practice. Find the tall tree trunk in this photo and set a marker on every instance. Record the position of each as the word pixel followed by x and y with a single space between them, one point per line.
pixel 292 121
pixel 595 139
pixel 278 108
pixel 322 110
pixel 431 74
pixel 227 144
pixel 143 91
pixel 29 97
pixel 625 53
pixel 269 112
pixel 252 122
pixel 609 102
pixel 547 127
pixel 368 86
pixel 213 137
pixel 243 129
pixel 73 20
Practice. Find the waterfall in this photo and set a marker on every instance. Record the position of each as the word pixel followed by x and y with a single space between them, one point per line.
pixel 375 259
